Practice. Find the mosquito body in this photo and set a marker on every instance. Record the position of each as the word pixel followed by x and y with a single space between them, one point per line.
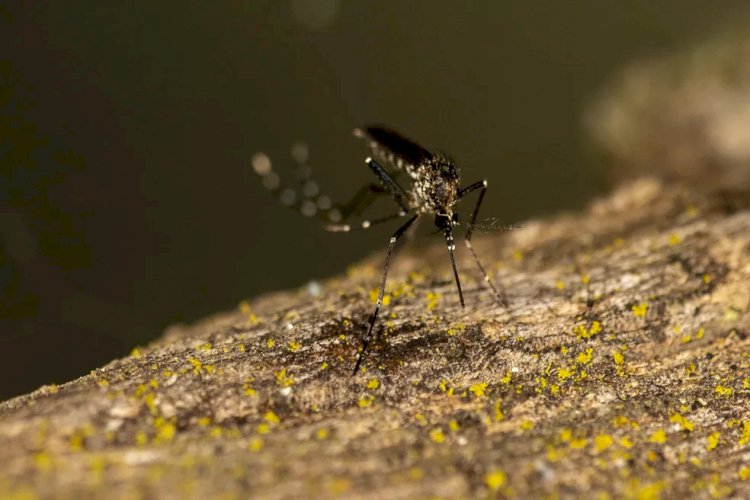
pixel 434 190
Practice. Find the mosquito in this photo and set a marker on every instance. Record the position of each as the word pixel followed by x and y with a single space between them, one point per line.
pixel 434 190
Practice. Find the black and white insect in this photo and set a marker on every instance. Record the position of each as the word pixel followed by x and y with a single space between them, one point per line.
pixel 434 190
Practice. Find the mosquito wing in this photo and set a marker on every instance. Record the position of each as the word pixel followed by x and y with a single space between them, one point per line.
pixel 392 148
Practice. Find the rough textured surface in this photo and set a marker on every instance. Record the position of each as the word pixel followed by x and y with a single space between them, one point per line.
pixel 621 366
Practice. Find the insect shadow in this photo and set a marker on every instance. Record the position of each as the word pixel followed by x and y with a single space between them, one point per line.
pixel 434 189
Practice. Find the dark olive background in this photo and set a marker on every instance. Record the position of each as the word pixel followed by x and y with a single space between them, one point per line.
pixel 126 128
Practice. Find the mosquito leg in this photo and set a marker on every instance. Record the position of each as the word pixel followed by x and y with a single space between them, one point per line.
pixel 451 247
pixel 390 185
pixel 363 198
pixel 473 187
pixel 391 245
pixel 365 224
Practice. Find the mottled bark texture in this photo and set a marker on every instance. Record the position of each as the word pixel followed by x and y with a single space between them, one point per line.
pixel 621 366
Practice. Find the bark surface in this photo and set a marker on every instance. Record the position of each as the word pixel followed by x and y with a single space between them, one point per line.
pixel 621 365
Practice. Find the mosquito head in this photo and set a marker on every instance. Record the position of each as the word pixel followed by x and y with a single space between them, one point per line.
pixel 446 219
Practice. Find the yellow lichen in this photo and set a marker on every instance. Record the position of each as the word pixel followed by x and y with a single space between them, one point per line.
pixel 373 384
pixel 648 491
pixel 43 461
pixel 255 444
pixel 722 390
pixel 744 473
pixel 689 338
pixel 494 479
pixel 560 285
pixel 584 333
pixel 248 389
pixel 453 425
pixel 247 312
pixel 366 400
pixel 321 434
pixel 712 441
pixel 479 389
pixel 197 365
pixel 507 378
pixel 339 486
pixel 432 300
pixel 324 365
pixel 584 358
pixel 578 443
pixel 136 353
pixel 416 474
pixel 658 436
pixel 602 442
pixel 498 414
pixel 619 360
pixel 564 373
pixel 294 346
pixel 165 430
pixel 674 239
pixel 271 417
pixel 677 418
pixel 456 329
pixel 437 435
pixel 270 343
pixel 283 379
pixel 640 310
pixel 443 386
pixel 745 437
pixel 555 454
pixel 566 435
pixel 526 425
pixel 141 438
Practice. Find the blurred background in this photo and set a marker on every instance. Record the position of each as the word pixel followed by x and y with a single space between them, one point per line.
pixel 127 201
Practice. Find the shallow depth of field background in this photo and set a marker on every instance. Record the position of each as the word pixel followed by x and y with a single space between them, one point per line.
pixel 127 201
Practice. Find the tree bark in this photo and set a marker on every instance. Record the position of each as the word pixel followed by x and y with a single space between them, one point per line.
pixel 620 366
